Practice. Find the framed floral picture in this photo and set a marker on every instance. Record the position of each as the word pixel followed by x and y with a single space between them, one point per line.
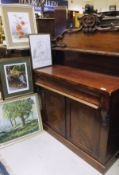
pixel 40 46
pixel 19 117
pixel 18 22
pixel 16 76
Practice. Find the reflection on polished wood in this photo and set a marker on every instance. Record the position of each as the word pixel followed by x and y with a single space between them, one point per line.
pixel 84 78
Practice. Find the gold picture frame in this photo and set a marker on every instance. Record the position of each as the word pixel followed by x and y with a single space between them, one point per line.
pixel 18 22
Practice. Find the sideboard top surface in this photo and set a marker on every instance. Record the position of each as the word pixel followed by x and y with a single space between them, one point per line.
pixel 91 80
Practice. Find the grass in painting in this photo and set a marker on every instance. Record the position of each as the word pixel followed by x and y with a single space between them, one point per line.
pixel 8 135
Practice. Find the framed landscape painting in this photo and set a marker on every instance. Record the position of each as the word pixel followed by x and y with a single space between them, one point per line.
pixel 16 76
pixel 18 22
pixel 40 46
pixel 19 118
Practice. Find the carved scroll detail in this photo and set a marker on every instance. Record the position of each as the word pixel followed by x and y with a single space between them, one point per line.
pixel 90 22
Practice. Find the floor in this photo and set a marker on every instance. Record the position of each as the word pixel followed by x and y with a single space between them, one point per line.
pixel 42 154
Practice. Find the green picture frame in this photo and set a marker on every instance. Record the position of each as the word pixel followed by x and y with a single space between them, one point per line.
pixel 25 121
pixel 16 76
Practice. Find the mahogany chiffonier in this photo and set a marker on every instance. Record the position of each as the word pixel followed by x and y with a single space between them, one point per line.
pixel 80 91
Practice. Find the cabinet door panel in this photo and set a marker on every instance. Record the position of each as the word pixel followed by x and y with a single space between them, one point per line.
pixel 55 111
pixel 85 126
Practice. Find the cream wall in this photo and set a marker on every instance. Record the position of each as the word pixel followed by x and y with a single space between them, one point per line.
pixel 100 5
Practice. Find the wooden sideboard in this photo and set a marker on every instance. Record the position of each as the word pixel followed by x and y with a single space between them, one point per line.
pixel 81 109
pixel 80 92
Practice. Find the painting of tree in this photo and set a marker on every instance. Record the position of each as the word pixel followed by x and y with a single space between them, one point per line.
pixel 21 109
pixel 18 118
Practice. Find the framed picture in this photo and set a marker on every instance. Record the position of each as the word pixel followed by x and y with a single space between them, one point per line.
pixel 19 117
pixel 18 21
pixel 40 46
pixel 16 76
